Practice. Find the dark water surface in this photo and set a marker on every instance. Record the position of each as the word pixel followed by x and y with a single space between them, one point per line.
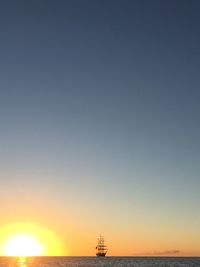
pixel 99 262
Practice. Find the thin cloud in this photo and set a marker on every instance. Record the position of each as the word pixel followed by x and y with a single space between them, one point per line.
pixel 167 252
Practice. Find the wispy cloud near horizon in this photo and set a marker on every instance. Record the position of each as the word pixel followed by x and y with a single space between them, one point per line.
pixel 160 253
pixel 167 252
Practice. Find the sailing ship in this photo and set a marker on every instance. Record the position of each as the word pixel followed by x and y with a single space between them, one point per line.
pixel 101 247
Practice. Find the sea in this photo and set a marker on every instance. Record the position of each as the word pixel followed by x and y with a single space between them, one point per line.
pixel 99 262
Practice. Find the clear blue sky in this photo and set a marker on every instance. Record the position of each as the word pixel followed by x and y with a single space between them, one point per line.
pixel 100 99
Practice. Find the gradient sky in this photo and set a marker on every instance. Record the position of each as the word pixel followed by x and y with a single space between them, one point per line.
pixel 99 119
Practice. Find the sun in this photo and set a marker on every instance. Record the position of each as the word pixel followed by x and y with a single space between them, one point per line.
pixel 23 245
pixel 29 239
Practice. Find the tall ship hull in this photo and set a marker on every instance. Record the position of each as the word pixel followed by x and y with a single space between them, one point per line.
pixel 101 254
pixel 101 247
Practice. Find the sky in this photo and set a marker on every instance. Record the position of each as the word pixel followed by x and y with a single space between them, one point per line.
pixel 99 119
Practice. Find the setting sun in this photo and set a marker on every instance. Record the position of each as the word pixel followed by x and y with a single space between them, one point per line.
pixel 23 245
pixel 28 239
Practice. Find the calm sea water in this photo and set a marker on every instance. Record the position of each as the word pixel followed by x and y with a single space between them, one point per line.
pixel 98 262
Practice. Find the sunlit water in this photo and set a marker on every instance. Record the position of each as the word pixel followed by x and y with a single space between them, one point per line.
pixel 98 262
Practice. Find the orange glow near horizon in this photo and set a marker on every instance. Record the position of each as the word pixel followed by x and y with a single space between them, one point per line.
pixel 27 239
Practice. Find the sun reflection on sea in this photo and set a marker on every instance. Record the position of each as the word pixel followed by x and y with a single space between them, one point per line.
pixel 22 262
